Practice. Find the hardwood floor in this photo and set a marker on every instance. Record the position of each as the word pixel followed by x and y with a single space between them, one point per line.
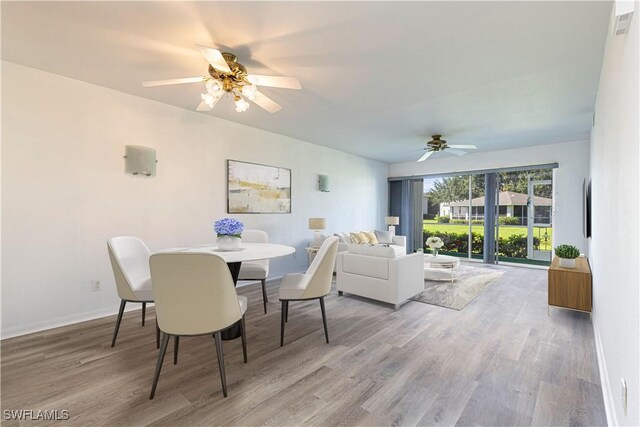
pixel 499 361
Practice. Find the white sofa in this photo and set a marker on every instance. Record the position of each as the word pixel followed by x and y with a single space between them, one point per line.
pixel 398 244
pixel 377 273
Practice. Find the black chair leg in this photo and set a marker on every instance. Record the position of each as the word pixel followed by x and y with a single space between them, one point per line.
pixel 176 342
pixel 243 330
pixel 218 338
pixel 286 311
pixel 144 310
pixel 324 319
pixel 157 334
pixel 282 316
pixel 156 376
pixel 120 313
pixel 264 295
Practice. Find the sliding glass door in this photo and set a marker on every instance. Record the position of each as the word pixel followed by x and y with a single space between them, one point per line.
pixel 453 210
pixel 540 227
pixel 525 200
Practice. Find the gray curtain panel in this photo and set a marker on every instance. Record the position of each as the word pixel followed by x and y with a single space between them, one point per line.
pixel 405 201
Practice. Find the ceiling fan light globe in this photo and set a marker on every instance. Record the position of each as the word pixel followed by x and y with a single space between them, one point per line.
pixel 209 99
pixel 214 87
pixel 241 105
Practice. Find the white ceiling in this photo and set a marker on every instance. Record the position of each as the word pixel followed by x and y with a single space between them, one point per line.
pixel 378 77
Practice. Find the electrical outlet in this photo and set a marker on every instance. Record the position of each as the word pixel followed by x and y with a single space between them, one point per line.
pixel 96 285
pixel 624 395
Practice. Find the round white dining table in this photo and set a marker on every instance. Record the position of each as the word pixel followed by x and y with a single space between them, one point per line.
pixel 234 259
pixel 247 251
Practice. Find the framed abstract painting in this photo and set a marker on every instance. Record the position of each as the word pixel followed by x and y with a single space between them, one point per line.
pixel 254 188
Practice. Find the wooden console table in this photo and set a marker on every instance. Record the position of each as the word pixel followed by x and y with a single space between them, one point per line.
pixel 570 287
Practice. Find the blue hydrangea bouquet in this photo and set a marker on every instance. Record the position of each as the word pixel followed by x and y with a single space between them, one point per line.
pixel 228 227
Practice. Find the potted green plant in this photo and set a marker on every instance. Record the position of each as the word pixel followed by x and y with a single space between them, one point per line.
pixel 567 255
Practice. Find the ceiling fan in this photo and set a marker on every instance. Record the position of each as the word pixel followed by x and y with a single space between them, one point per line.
pixel 438 144
pixel 227 76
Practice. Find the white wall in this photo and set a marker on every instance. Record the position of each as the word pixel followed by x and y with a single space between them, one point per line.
pixel 615 254
pixel 64 191
pixel 568 178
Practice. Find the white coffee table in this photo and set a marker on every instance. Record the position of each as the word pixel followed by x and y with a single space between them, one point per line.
pixel 435 266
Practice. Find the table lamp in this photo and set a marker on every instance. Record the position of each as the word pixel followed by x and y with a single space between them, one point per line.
pixel 317 224
pixel 392 221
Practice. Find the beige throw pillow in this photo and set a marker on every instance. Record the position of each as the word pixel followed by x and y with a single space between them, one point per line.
pixel 364 239
pixel 371 236
pixel 358 238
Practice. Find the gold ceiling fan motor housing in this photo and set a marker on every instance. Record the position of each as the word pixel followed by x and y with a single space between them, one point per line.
pixel 236 79
pixel 437 144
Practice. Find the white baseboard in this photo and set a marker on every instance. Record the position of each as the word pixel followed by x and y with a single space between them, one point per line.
pixel 45 325
pixel 65 321
pixel 607 396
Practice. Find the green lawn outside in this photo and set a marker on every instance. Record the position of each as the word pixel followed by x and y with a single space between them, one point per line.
pixel 504 231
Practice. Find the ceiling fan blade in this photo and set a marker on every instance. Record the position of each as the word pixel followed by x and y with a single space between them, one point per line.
pixel 464 147
pixel 456 152
pixel 425 156
pixel 214 57
pixel 183 80
pixel 267 103
pixel 274 81
pixel 203 107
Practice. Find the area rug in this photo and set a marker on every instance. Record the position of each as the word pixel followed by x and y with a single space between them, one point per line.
pixel 469 283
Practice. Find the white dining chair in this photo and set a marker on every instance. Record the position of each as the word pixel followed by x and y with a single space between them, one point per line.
pixel 256 270
pixel 314 284
pixel 130 263
pixel 195 295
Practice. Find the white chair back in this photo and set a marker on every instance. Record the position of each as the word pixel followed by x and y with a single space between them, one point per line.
pixel 194 293
pixel 257 236
pixel 130 262
pixel 321 269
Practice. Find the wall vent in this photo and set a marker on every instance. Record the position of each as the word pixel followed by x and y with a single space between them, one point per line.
pixel 622 18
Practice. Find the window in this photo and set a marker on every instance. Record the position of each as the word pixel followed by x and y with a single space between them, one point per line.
pixel 520 211
pixel 542 215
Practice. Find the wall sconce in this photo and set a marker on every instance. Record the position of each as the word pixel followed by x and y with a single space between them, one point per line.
pixel 392 221
pixel 323 183
pixel 139 160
